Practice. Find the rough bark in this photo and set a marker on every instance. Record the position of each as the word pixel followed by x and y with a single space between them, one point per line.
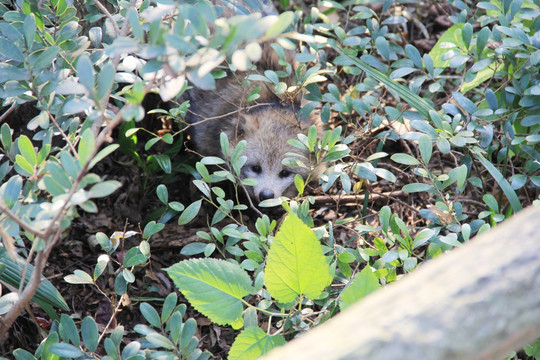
pixel 480 301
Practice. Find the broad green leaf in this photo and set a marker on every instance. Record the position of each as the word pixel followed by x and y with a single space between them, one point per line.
pixel 214 287
pixel 296 264
pixel 252 343
pixel 363 284
pixel 452 35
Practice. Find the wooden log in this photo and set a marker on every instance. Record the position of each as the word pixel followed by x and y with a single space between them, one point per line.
pixel 480 301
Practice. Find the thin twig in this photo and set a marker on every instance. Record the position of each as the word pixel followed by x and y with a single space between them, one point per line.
pixel 9 111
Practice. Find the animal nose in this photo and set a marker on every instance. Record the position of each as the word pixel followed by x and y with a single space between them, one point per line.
pixel 266 194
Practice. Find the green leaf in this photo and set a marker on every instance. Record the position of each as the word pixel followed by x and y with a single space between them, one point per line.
pixel 104 188
pixel 10 51
pixel 418 187
pixel 103 153
pixel 398 89
pixel 86 146
pixel 190 212
pixel 252 343
pixel 363 284
pixel 214 287
pixel 499 178
pixel 29 28
pixel 21 354
pixel 65 350
pixel 168 306
pixel 89 332
pixel 158 340
pixel 162 194
pixel 426 148
pixel 284 20
pixel 11 274
pixel 449 36
pixel 85 72
pixel 296 264
pixel 45 58
pixel 405 159
pixel 105 80
pixel 79 277
pixel 27 150
pixel 150 314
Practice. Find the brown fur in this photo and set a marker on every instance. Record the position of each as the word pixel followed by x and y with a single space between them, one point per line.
pixel 266 124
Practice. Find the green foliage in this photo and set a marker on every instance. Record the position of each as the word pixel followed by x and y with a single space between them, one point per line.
pixel 468 158
pixel 252 343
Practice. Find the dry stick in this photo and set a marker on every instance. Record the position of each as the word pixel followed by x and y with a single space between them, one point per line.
pixel 9 111
pixel 346 200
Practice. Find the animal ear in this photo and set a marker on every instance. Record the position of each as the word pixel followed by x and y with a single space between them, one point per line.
pixel 248 123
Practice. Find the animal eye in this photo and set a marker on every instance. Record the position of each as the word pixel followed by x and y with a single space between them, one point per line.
pixel 256 169
pixel 284 173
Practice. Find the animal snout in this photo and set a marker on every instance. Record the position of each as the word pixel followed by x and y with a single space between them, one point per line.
pixel 266 194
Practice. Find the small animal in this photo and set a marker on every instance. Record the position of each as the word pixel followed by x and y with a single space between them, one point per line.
pixel 266 124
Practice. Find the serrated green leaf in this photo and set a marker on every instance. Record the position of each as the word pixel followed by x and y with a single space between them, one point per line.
pixel 252 343
pixel 214 287
pixel 296 264
pixel 363 284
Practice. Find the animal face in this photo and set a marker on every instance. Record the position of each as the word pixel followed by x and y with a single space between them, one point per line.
pixel 266 133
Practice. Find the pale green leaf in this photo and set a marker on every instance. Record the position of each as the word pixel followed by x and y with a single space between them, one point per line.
pixel 214 287
pixel 296 264
pixel 253 343
pixel 363 284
